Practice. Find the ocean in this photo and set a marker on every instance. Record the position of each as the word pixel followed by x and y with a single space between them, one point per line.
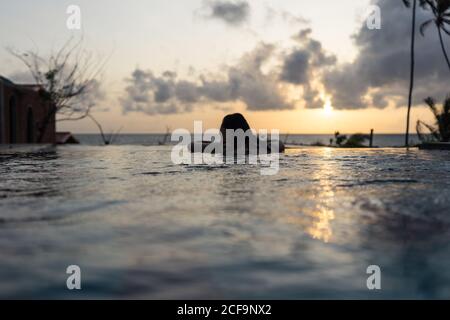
pixel 380 140
pixel 140 226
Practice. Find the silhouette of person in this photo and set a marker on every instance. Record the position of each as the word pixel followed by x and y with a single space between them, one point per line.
pixel 235 122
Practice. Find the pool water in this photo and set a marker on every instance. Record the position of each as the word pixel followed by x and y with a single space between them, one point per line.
pixel 140 226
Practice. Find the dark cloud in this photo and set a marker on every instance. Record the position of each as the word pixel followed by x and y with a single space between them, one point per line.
pixel 258 90
pixel 187 92
pixel 380 72
pixel 260 80
pixel 244 82
pixel 312 98
pixel 233 13
pixel 306 61
pixel 378 77
pixel 296 67
pixel 218 90
pixel 151 94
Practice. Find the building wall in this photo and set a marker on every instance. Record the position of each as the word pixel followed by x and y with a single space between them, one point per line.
pixel 23 113
pixel 2 124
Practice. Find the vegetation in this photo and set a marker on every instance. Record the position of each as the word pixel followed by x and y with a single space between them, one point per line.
pixel 354 141
pixel 441 18
pixel 107 139
pixel 440 131
pixel 68 79
pixel 340 139
pixel 407 3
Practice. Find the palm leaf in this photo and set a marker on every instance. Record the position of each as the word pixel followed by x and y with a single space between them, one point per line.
pixel 433 131
pixel 441 131
pixel 446 31
pixel 432 105
pixel 447 106
pixel 445 120
pixel 422 135
pixel 424 26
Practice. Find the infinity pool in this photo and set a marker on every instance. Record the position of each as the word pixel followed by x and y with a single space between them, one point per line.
pixel 140 226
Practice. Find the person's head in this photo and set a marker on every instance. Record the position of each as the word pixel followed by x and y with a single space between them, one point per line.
pixel 233 122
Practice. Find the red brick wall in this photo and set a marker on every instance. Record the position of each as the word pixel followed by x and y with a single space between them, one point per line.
pixel 26 99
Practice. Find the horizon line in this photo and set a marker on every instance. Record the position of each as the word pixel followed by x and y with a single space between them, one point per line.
pixel 291 134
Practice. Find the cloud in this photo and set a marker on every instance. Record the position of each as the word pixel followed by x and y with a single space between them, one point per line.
pixel 261 80
pixel 306 58
pixel 150 94
pixel 232 13
pixel 244 82
pixel 380 72
pixel 291 19
pixel 312 98
pixel 258 90
pixel 306 62
pixel 296 66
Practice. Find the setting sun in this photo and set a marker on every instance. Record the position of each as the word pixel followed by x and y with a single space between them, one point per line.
pixel 328 109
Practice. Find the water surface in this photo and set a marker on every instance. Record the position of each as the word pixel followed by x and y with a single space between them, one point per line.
pixel 142 227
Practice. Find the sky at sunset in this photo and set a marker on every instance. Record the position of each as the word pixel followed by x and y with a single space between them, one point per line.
pixel 294 65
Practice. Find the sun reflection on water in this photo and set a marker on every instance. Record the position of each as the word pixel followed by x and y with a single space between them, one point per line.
pixel 317 219
pixel 323 214
pixel 320 228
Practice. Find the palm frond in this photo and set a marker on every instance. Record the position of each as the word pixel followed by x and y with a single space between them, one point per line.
pixel 447 106
pixel 445 120
pixel 440 131
pixel 420 132
pixel 432 105
pixel 434 132
pixel 446 30
pixel 425 137
pixel 423 4
pixel 443 5
pixel 424 26
pixel 432 4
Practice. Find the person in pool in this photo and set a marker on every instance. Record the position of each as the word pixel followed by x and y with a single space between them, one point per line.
pixel 235 122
